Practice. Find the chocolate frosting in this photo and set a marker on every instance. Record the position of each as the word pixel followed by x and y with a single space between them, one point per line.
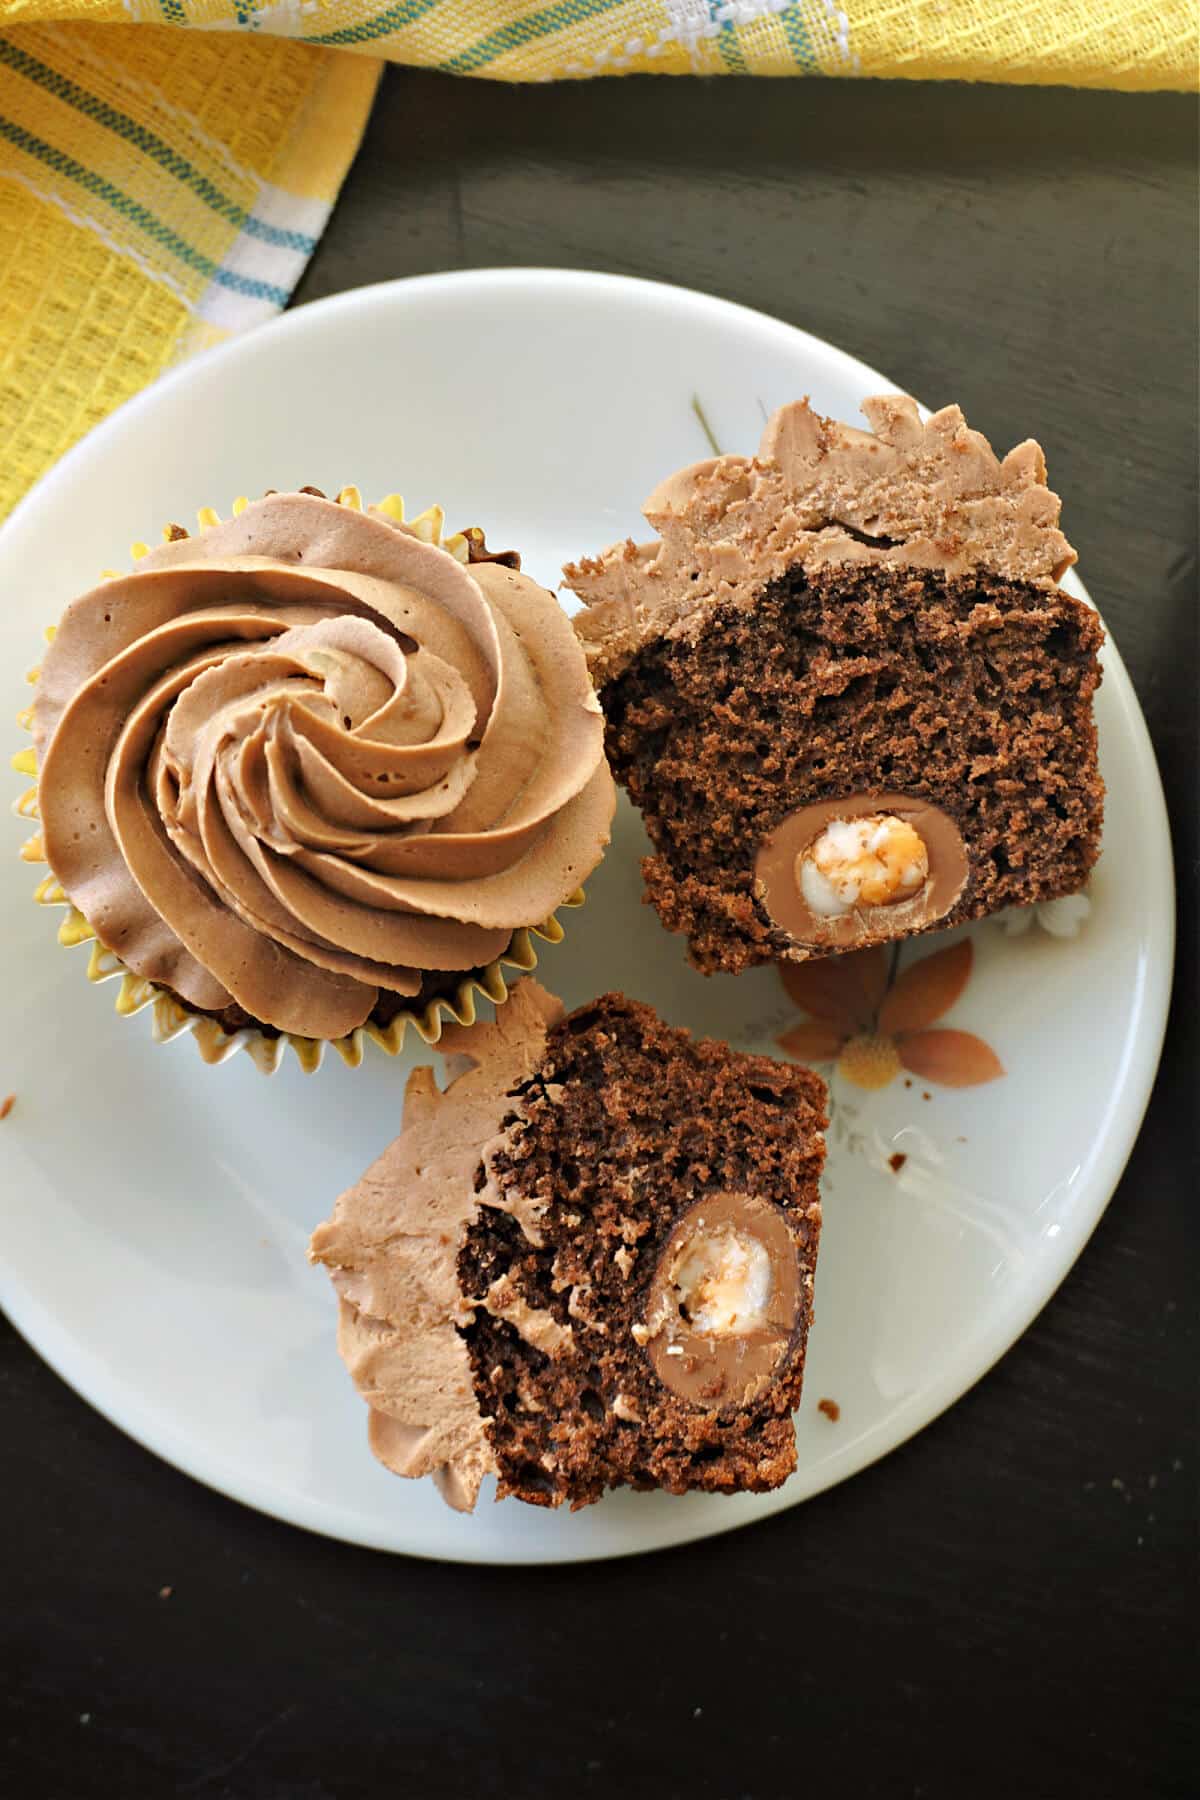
pixel 305 756
pixel 392 1248
pixel 776 884
pixel 909 494
pixel 720 1371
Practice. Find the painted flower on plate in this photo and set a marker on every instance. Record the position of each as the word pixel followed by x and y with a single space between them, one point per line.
pixel 872 1019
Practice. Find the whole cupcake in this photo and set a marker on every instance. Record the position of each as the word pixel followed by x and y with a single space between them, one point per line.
pixel 308 776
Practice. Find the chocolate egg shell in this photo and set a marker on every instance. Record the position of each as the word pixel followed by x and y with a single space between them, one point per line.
pixel 779 891
pixel 726 1370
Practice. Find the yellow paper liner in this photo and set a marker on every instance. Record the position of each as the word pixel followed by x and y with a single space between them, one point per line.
pixel 170 1016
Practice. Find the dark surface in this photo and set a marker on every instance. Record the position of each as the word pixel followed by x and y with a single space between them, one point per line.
pixel 1006 1605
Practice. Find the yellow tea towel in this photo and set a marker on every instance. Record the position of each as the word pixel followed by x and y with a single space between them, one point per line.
pixel 159 190
pixel 166 166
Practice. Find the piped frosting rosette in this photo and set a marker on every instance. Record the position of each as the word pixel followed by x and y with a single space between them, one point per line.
pixel 308 777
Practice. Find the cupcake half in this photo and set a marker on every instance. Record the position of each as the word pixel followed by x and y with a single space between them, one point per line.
pixel 587 1263
pixel 845 689
pixel 307 774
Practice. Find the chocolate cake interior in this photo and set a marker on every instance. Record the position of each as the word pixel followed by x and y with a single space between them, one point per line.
pixel 641 1143
pixel 969 692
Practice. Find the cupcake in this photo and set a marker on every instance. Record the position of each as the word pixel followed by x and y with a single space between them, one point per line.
pixel 588 1263
pixel 845 689
pixel 307 776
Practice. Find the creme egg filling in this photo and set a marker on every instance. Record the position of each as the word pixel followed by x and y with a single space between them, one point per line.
pixel 722 1282
pixel 871 861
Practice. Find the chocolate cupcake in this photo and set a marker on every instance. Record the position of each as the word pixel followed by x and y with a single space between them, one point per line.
pixel 588 1263
pixel 845 689
pixel 307 776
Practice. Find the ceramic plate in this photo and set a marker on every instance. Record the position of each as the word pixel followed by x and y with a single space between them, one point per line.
pixel 155 1211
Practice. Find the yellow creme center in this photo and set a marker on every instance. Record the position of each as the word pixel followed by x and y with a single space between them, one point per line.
pixel 723 1282
pixel 876 860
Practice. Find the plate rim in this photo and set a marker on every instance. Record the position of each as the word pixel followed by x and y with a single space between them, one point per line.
pixel 1102 1170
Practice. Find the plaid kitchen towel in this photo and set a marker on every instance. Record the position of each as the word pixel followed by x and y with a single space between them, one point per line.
pixel 166 166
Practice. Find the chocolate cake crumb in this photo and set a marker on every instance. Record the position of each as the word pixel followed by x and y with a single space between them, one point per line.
pixel 972 693
pixel 478 552
pixel 897 1161
pixel 626 1128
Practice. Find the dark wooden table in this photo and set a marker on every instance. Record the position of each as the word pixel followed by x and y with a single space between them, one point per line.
pixel 1005 1606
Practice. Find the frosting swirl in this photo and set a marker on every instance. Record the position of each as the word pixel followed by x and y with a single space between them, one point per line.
pixel 306 756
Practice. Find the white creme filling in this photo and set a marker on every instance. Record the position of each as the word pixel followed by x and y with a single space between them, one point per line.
pixel 723 1281
pixel 878 853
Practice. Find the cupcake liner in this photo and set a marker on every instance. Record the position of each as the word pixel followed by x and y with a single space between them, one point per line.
pixel 170 1017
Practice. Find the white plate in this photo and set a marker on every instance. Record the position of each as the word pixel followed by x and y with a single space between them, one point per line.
pixel 155 1212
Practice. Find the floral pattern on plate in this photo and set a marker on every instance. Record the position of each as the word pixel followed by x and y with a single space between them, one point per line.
pixel 872 1019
